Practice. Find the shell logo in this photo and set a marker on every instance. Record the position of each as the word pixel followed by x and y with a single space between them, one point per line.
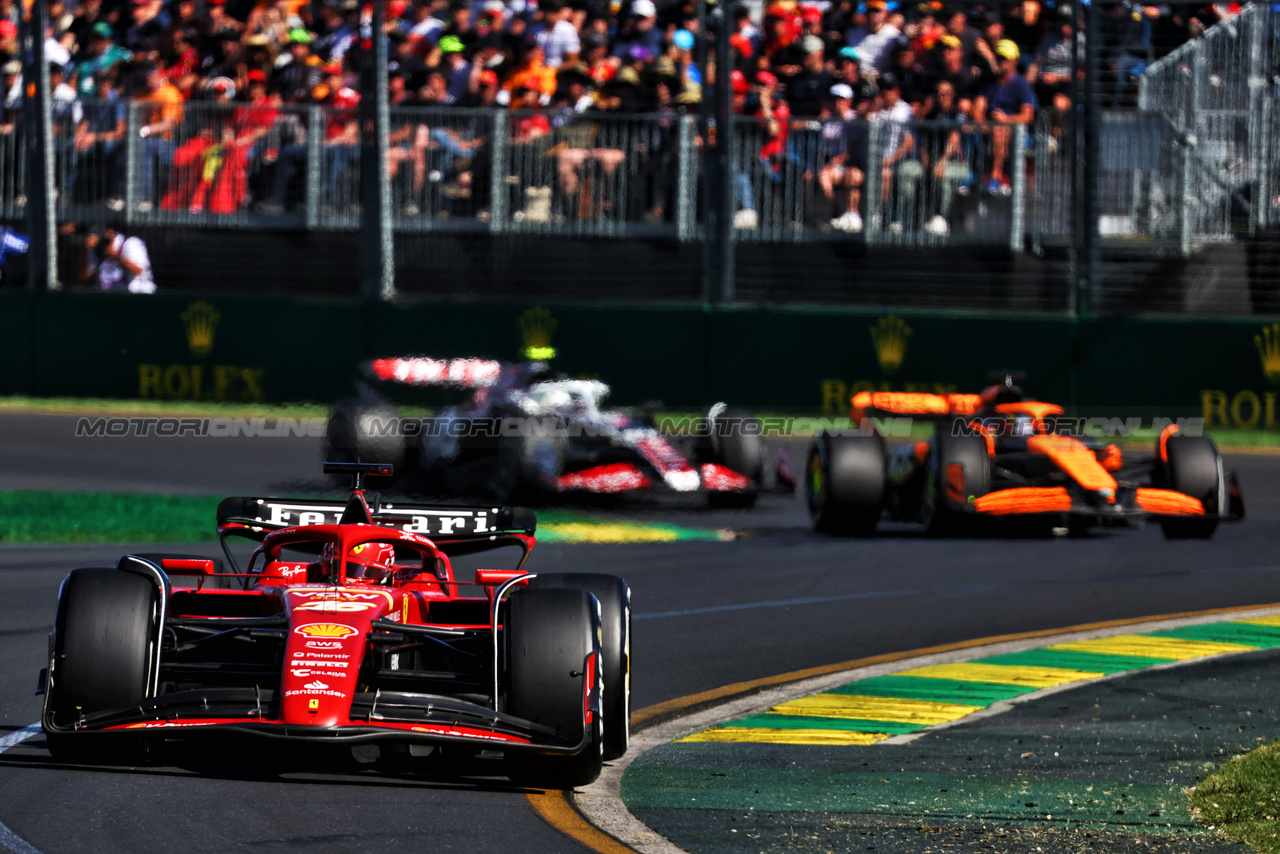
pixel 325 630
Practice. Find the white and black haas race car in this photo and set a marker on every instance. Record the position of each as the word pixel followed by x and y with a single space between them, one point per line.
pixel 524 429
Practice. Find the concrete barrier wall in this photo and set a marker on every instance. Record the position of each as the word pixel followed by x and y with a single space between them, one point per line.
pixel 684 355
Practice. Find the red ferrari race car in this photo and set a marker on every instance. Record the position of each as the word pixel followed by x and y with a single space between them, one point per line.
pixel 995 455
pixel 347 627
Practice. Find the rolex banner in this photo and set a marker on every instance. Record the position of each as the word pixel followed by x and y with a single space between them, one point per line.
pixel 801 360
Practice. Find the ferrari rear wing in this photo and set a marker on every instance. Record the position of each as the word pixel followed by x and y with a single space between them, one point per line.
pixel 257 517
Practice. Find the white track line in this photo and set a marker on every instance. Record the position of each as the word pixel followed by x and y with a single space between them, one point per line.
pixel 8 838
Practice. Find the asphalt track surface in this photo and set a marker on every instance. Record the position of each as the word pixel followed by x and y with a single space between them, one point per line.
pixel 778 599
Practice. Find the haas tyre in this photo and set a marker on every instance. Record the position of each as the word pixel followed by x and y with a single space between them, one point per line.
pixel 103 654
pixel 845 483
pixel 614 597
pixel 1193 467
pixel 552 637
pixel 364 430
pixel 737 445
pixel 959 471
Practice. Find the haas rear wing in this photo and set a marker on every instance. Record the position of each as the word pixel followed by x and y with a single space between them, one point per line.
pixel 424 371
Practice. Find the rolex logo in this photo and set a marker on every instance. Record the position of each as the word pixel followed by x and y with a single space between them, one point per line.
pixel 201 321
pixel 536 326
pixel 889 336
pixel 1268 344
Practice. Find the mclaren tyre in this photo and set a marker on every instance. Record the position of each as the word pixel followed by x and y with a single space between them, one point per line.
pixel 614 597
pixel 845 483
pixel 1193 466
pixel 102 658
pixel 959 472
pixel 552 637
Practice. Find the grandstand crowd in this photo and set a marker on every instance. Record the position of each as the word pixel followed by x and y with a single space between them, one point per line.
pixel 222 86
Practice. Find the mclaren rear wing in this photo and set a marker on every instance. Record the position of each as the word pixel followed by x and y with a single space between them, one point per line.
pixel 868 404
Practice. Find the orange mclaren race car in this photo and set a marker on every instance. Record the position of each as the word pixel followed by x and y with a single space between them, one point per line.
pixel 996 455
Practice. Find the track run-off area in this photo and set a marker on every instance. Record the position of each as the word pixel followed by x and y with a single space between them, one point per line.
pixel 712 618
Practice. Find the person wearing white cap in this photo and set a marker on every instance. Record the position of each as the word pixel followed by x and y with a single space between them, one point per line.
pixel 807 89
pixel 844 147
pixel 640 28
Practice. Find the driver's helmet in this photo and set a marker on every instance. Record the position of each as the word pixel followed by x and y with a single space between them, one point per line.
pixel 371 560
pixel 367 560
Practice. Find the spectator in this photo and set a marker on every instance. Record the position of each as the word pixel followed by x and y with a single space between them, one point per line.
pixel 161 118
pixel 1008 101
pixel 639 29
pixel 874 39
pixel 124 266
pixel 99 142
pixel 1051 69
pixel 812 85
pixel 952 68
pixel 898 145
pixel 845 146
pixel 560 42
pixel 101 54
pixel 942 156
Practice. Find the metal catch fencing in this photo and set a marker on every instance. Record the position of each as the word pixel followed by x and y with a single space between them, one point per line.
pixel 216 165
pixel 1218 94
pixel 931 184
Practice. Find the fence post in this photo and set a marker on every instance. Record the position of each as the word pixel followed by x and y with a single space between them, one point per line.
pixel 315 131
pixel 874 222
pixel 1258 116
pixel 498 175
pixel 1017 207
pixel 131 162
pixel 686 179
pixel 1184 209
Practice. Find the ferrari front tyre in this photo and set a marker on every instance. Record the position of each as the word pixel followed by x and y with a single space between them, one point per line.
pixel 552 637
pixel 845 482
pixel 959 472
pixel 1192 466
pixel 738 446
pixel 614 597
pixel 103 655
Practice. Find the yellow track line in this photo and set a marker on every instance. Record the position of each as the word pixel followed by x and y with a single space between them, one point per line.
pixel 1000 674
pixel 556 809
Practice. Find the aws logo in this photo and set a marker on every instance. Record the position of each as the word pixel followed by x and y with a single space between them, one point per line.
pixel 196 381
pixel 1248 409
pixel 536 327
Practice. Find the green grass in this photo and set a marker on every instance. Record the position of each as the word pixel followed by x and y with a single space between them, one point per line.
pixel 105 517
pixel 113 517
pixel 1242 799
pixel 104 406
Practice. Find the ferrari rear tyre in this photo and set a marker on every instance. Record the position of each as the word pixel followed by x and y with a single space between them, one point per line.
pixel 552 635
pixel 103 655
pixel 614 597
pixel 1193 467
pixel 938 508
pixel 738 446
pixel 845 483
